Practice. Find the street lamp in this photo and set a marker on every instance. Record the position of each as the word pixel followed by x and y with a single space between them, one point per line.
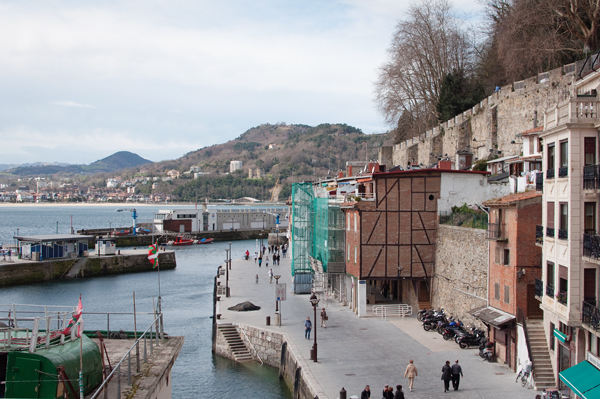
pixel 230 255
pixel 277 277
pixel 314 301
pixel 227 273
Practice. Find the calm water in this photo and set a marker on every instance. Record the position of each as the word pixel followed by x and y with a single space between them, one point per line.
pixel 186 292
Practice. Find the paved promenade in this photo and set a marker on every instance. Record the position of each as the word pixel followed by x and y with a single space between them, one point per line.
pixel 353 352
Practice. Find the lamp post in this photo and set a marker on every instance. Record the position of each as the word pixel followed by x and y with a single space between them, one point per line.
pixel 230 255
pixel 314 301
pixel 227 273
pixel 277 277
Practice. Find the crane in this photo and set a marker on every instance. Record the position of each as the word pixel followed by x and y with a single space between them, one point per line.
pixel 134 215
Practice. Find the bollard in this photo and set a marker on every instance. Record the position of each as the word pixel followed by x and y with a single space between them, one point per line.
pixel 145 354
pixel 119 381
pixel 268 320
pixel 342 393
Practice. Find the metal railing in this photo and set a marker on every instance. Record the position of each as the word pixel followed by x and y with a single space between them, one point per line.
pixel 539 234
pixel 590 315
pixel 539 181
pixel 550 174
pixel 399 310
pixel 591 246
pixel 563 172
pixel 496 231
pixel 549 231
pixel 563 234
pixel 539 288
pixel 550 290
pixel 591 177
pixel 251 346
pixel 153 334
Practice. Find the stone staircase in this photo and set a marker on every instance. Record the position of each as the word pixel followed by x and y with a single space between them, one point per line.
pixel 542 366
pixel 424 305
pixel 238 349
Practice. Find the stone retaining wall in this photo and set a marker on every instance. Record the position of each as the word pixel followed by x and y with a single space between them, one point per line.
pixel 461 271
pixel 34 272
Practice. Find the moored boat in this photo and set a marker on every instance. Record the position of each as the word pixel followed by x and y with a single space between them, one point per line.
pixel 206 241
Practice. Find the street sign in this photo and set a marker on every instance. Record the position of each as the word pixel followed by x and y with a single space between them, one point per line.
pixel 280 292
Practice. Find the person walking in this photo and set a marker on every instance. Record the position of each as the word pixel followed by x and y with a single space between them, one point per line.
pixel 255 256
pixel 278 258
pixel 270 276
pixel 274 259
pixel 366 393
pixel 456 374
pixel 388 392
pixel 399 394
pixel 259 261
pixel 446 375
pixel 256 279
pixel 411 373
pixel 324 318
pixel 307 328
pixel 267 261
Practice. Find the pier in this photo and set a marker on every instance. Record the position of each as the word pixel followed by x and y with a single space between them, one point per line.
pixel 352 351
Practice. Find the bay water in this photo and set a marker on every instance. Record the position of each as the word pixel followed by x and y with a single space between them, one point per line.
pixel 186 291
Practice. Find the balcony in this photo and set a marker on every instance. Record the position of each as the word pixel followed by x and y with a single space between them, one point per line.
pixel 496 231
pixel 573 110
pixel 550 290
pixel 561 297
pixel 539 234
pixel 563 234
pixel 539 181
pixel 590 316
pixel 550 232
pixel 591 246
pixel 539 288
pixel 563 172
pixel 591 177
pixel 550 174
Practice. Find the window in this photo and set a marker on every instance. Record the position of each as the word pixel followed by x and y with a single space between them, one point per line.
pixel 590 218
pixel 550 215
pixel 355 222
pixel 550 274
pixel 506 257
pixel 564 219
pixel 590 151
pixel 551 338
pixel 551 156
pixel 497 291
pixel 532 149
pixel 506 294
pixel 355 254
pixel 348 227
pixel 348 252
pixel 563 288
pixel 564 154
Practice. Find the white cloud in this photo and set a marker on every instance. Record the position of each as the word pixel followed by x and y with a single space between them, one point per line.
pixel 71 104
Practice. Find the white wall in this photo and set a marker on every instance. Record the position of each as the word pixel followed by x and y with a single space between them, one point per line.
pixel 457 189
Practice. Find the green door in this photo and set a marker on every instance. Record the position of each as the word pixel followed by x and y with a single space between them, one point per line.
pixel 26 378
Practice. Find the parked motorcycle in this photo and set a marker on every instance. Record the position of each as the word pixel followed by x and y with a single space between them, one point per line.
pixel 451 331
pixel 486 350
pixel 470 340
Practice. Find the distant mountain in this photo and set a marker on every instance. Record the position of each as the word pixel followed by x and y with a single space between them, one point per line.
pixel 25 165
pixel 117 161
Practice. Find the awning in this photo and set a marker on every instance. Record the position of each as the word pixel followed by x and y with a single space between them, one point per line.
pixel 493 316
pixel 583 379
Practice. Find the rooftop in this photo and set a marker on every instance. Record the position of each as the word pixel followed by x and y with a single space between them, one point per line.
pixel 513 198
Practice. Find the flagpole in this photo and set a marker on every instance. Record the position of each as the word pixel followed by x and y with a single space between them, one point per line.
pixel 162 330
pixel 80 356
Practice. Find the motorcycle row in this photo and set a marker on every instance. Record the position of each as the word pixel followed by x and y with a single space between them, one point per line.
pixel 437 320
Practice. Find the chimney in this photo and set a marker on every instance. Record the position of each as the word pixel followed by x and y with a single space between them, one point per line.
pixel 350 170
pixel 446 165
pixel 535 119
pixel 340 174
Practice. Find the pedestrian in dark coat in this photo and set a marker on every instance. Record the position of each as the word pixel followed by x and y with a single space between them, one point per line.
pixel 278 258
pixel 447 375
pixel 366 393
pixel 307 328
pixel 399 394
pixel 456 374
pixel 388 392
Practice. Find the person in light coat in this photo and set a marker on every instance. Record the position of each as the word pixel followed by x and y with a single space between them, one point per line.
pixel 411 373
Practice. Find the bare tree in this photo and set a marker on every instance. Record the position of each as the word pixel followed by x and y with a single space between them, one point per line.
pixel 425 48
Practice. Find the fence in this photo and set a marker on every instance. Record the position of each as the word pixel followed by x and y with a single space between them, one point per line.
pixel 400 310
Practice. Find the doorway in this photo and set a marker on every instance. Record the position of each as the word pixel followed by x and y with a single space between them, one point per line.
pixel 423 291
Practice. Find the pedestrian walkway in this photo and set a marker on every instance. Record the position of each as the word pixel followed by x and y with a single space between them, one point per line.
pixel 353 352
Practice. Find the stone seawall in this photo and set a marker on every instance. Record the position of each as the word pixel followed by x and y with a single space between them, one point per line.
pixel 275 351
pixel 225 235
pixel 461 271
pixel 19 273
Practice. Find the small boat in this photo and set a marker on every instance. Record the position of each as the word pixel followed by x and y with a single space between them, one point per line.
pixel 206 241
pixel 122 233
pixel 179 241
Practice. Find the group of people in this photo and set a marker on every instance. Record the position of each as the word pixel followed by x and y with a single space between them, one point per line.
pixel 449 373
pixel 275 249
pixel 308 323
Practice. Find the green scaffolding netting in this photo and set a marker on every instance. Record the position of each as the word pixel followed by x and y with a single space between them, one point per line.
pixel 317 229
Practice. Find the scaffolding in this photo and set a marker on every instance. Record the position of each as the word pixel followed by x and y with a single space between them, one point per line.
pixel 302 227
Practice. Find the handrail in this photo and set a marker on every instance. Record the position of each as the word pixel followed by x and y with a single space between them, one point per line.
pixel 252 346
pixel 118 366
pixel 393 310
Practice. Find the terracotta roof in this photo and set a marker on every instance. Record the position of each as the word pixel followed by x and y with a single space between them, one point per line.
pixel 513 198
pixel 532 131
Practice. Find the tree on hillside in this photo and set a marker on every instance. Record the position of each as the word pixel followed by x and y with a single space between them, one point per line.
pixel 427 46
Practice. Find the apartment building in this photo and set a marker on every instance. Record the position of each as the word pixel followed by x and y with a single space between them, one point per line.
pixel 568 290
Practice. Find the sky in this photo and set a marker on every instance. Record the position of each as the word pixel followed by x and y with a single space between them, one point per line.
pixel 80 81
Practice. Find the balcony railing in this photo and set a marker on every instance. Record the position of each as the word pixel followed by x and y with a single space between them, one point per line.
pixel 549 231
pixel 563 234
pixel 550 290
pixel 561 297
pixel 539 181
pixel 539 288
pixel 590 315
pixel 550 174
pixel 539 234
pixel 591 177
pixel 591 246
pixel 563 172
pixel 496 231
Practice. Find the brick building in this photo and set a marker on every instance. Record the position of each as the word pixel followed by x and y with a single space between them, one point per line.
pixel 514 265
